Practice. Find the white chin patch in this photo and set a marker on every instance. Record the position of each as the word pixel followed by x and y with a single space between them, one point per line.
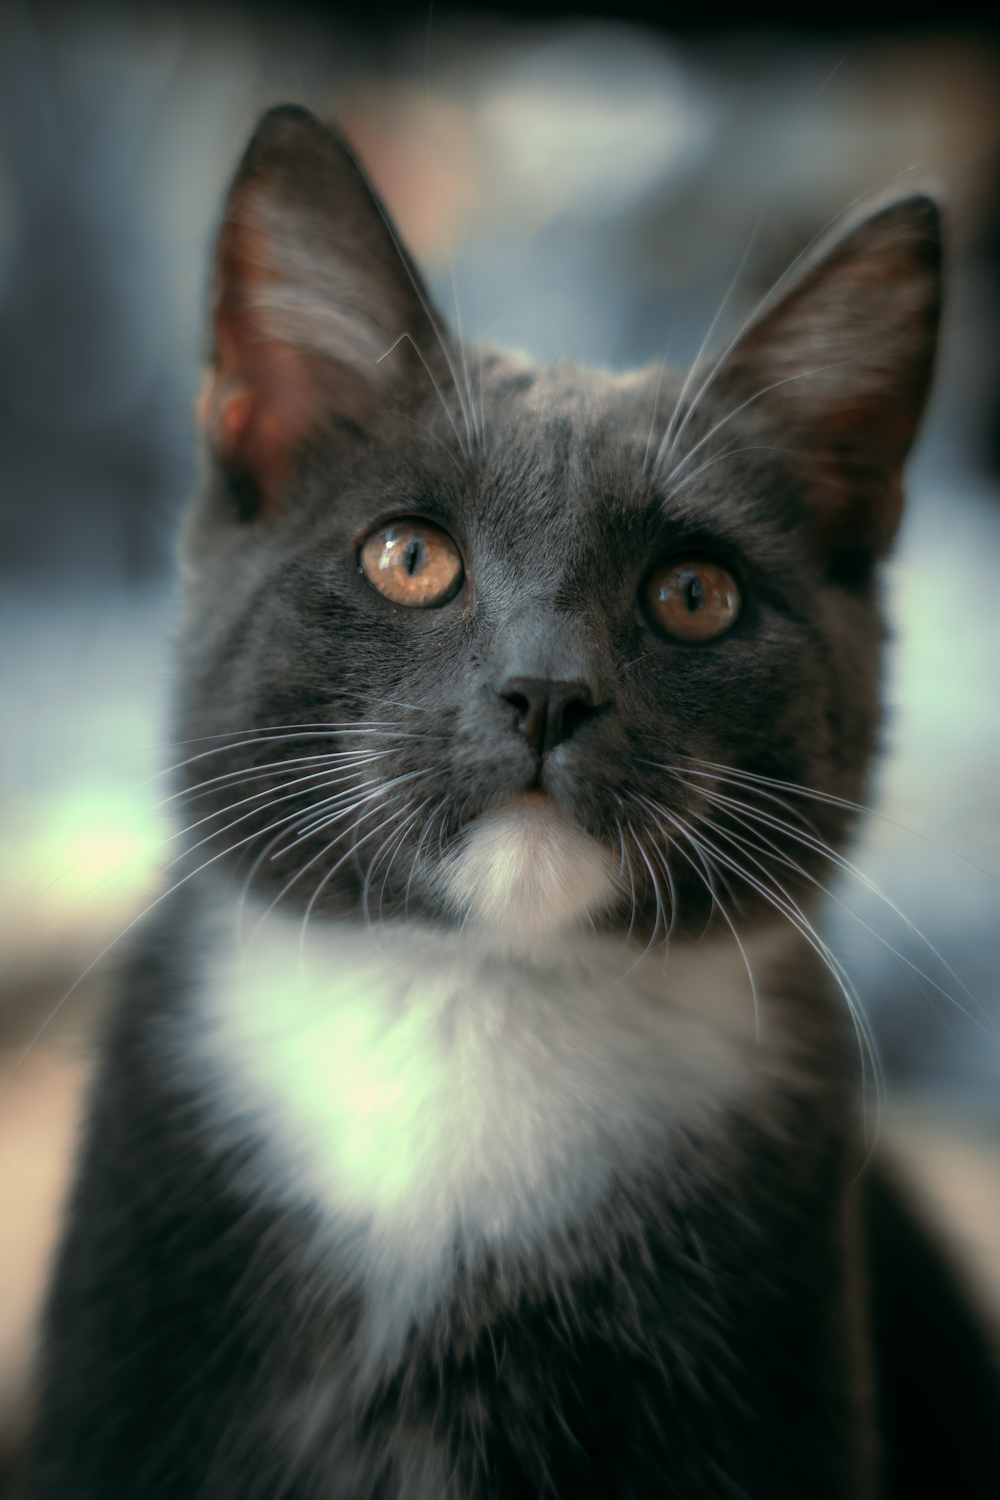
pixel 527 869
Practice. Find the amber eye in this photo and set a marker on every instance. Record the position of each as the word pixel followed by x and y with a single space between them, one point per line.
pixel 693 599
pixel 411 562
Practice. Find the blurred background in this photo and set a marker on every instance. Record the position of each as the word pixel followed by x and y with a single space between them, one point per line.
pixel 574 187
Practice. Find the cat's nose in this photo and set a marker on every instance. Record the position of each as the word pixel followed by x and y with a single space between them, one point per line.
pixel 547 712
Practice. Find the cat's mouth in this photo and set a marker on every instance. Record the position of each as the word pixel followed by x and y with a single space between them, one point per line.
pixel 527 867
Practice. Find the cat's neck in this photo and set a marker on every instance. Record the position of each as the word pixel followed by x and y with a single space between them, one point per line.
pixel 435 1103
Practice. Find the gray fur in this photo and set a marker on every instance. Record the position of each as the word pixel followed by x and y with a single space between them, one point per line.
pixel 650 1268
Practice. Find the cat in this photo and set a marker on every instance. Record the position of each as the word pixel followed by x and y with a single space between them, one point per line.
pixel 483 1114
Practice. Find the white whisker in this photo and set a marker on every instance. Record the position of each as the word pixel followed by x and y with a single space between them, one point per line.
pixel 428 826
pixel 717 905
pixel 783 902
pixel 734 809
pixel 430 375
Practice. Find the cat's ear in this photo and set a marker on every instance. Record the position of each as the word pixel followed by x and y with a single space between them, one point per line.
pixel 840 368
pixel 312 289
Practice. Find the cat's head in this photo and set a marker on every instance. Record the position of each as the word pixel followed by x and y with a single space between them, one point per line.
pixel 524 646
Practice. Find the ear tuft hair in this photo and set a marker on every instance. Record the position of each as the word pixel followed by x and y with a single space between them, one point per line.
pixel 842 365
pixel 312 290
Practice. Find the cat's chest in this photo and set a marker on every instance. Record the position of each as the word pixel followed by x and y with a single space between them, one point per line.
pixel 435 1104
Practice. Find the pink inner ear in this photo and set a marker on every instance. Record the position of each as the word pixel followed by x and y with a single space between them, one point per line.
pixel 856 468
pixel 265 395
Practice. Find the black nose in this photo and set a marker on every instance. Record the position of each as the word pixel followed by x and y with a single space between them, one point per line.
pixel 547 712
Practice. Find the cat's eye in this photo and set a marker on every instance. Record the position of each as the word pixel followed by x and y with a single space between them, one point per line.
pixel 412 563
pixel 692 599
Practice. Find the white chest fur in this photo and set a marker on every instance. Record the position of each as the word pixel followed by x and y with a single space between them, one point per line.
pixel 434 1102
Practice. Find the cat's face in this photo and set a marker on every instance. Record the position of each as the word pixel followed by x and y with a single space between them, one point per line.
pixel 509 645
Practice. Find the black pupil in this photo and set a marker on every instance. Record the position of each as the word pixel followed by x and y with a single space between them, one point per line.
pixel 413 557
pixel 694 594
